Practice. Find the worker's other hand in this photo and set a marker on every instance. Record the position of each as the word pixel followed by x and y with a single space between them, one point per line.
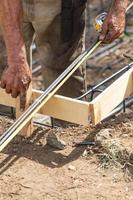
pixel 113 26
pixel 16 79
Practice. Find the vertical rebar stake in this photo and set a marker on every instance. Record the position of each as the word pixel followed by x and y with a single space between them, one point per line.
pixel 124 106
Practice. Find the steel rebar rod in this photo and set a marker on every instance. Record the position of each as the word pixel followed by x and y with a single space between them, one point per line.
pixel 107 80
pixel 129 7
pixel 119 108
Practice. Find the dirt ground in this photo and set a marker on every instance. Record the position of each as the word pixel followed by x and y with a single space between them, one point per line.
pixel 32 170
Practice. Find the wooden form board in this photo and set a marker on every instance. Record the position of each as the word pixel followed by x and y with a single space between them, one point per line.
pixel 65 108
pixel 111 97
pixel 6 99
pixel 59 107
pixel 77 111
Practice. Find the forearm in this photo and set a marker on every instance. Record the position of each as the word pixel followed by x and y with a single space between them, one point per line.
pixel 11 24
pixel 119 5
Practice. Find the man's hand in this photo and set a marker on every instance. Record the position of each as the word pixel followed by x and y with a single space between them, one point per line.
pixel 16 79
pixel 114 23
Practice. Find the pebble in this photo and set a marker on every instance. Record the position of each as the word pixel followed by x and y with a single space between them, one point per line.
pixel 71 167
pixel 54 141
pixel 54 163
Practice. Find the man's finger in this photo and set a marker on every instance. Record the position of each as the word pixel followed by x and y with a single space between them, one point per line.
pixel 103 32
pixel 14 93
pixel 8 89
pixel 23 95
pixel 111 36
pixel 3 84
pixel 15 89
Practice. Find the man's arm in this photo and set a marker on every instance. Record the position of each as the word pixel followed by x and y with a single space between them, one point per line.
pixel 17 75
pixel 114 23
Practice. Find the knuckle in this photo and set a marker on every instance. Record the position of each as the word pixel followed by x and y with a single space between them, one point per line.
pixel 9 82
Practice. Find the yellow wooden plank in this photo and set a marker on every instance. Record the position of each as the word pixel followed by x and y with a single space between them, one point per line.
pixel 58 107
pixel 65 108
pixel 102 105
pixel 6 99
pixel 78 111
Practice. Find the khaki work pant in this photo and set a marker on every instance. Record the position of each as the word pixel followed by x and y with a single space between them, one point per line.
pixel 42 23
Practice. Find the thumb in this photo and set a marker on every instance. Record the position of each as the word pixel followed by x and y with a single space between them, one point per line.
pixel 103 32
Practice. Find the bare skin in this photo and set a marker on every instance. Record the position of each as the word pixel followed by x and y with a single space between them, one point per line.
pixel 114 23
pixel 17 75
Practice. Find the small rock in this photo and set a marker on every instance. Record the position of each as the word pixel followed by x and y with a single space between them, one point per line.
pixel 126 189
pixel 54 141
pixel 85 153
pixel 71 167
pixel 54 163
pixel 103 135
pixel 125 135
